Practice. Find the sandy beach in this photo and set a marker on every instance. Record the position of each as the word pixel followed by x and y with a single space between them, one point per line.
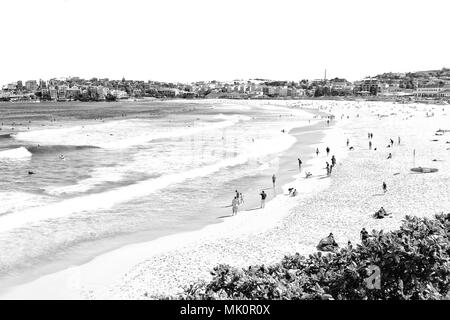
pixel 342 203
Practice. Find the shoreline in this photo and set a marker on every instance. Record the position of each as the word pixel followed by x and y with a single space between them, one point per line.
pixel 167 239
pixel 343 205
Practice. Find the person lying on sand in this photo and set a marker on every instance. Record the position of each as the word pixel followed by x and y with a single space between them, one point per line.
pixel 380 214
pixel 327 244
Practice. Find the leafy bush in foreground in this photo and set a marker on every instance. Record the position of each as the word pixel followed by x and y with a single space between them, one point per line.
pixel 414 264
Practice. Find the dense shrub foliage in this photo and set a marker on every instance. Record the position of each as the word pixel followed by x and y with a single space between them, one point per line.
pixel 413 263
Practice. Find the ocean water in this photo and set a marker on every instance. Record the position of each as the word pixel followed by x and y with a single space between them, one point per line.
pixel 107 174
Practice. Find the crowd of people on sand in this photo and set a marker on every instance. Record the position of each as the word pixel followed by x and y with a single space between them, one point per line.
pixel 328 243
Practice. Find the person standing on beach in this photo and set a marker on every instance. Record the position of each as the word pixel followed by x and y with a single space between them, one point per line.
pixel 384 187
pixel 317 151
pixel 299 164
pixel 273 180
pixel 392 143
pixel 327 150
pixel 241 197
pixel 370 145
pixel 348 141
pixel 398 140
pixel 328 169
pixel 234 205
pixel 333 160
pixel 263 199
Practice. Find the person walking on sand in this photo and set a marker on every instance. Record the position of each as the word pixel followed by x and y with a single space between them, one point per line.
pixel 398 140
pixel 263 199
pixel 241 197
pixel 317 151
pixel 384 187
pixel 299 164
pixel 234 205
pixel 370 145
pixel 327 150
pixel 333 160
pixel 348 142
pixel 273 180
pixel 328 169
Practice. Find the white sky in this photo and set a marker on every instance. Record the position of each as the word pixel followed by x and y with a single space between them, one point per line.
pixel 188 40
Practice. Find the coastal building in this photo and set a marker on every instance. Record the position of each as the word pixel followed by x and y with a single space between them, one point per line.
pixel 62 90
pixel 169 92
pixel 11 86
pixel 53 93
pixel 119 94
pixel 42 84
pixel 73 92
pixel 269 91
pixel 367 86
pixel 31 85
pixel 428 92
pixel 282 91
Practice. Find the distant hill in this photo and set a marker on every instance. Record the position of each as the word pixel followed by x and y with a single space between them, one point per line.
pixel 443 73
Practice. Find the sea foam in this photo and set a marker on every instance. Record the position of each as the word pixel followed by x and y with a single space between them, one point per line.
pixel 121 134
pixel 16 153
pixel 110 198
